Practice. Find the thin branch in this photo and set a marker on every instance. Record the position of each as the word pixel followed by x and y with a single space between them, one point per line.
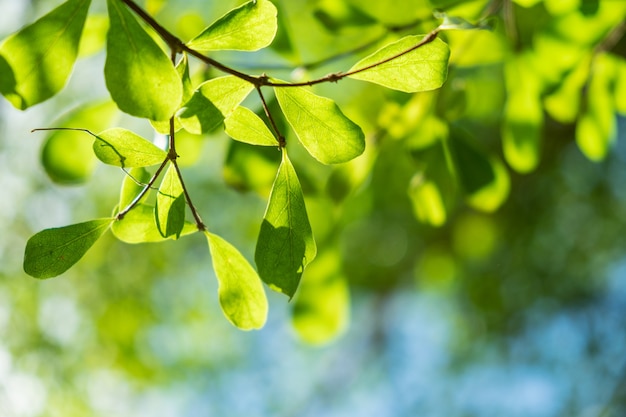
pixel 268 113
pixel 194 212
pixel 143 192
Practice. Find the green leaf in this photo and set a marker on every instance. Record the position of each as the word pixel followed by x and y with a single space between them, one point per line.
pixel 241 292
pixel 285 245
pixel 212 102
pixel 67 155
pixel 182 68
pixel 169 212
pixel 427 201
pixel 132 186
pixel 123 148
pixel 139 75
pixel 326 133
pixel 138 226
pixel 245 126
pixel 421 69
pixel 249 27
pixel 321 309
pixel 36 62
pixel 53 251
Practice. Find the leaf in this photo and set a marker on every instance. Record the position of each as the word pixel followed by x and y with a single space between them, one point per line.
pixel 132 186
pixel 36 62
pixel 245 126
pixel 67 155
pixel 53 251
pixel 212 102
pixel 423 68
pixel 138 226
pixel 326 133
pixel 428 205
pixel 169 212
pixel 241 293
pixel 139 75
pixel 286 244
pixel 123 148
pixel 182 68
pixel 249 27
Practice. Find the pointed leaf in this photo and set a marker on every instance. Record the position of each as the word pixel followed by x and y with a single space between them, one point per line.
pixel 245 126
pixel 423 68
pixel 249 27
pixel 53 251
pixel 139 75
pixel 212 102
pixel 36 62
pixel 285 245
pixel 169 212
pixel 138 226
pixel 328 135
pixel 123 148
pixel 241 292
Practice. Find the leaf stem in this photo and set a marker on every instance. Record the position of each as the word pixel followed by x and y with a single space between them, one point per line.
pixel 281 139
pixel 194 212
pixel 143 192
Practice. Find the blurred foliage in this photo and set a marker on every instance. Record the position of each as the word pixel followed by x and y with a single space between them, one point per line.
pixel 500 195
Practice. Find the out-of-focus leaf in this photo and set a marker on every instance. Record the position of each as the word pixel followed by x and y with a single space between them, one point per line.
pixel 139 75
pixel 241 292
pixel 249 27
pixel 251 167
pixel 245 126
pixel 321 310
pixel 212 102
pixel 491 196
pixel 471 164
pixel 620 86
pixel 169 212
pixel 427 201
pixel 53 251
pixel 123 148
pixel 285 245
pixel 94 35
pixel 597 125
pixel 563 105
pixel 138 226
pixel 67 155
pixel 37 61
pixel 326 133
pixel 132 185
pixel 423 68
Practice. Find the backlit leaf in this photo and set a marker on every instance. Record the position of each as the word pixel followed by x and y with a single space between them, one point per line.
pixel 182 68
pixel 123 148
pixel 36 62
pixel 249 27
pixel 212 102
pixel 241 292
pixel 245 126
pixel 326 133
pixel 423 68
pixel 132 185
pixel 67 155
pixel 169 212
pixel 139 75
pixel 138 226
pixel 285 245
pixel 428 205
pixel 53 251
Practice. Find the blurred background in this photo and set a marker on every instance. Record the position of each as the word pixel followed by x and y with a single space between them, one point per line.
pixel 505 296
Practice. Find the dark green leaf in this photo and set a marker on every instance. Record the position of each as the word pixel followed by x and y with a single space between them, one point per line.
pixel 328 135
pixel 285 245
pixel 123 148
pixel 241 292
pixel 421 69
pixel 36 62
pixel 169 212
pixel 139 75
pixel 249 27
pixel 53 251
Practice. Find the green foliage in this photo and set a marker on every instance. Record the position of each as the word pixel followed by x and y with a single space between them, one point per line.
pixel 447 109
pixel 36 62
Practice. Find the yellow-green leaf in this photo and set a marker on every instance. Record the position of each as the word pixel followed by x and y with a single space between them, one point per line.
pixel 285 245
pixel 139 75
pixel 240 291
pixel 138 226
pixel 36 62
pixel 245 126
pixel 249 27
pixel 53 251
pixel 421 69
pixel 123 148
pixel 169 212
pixel 326 133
